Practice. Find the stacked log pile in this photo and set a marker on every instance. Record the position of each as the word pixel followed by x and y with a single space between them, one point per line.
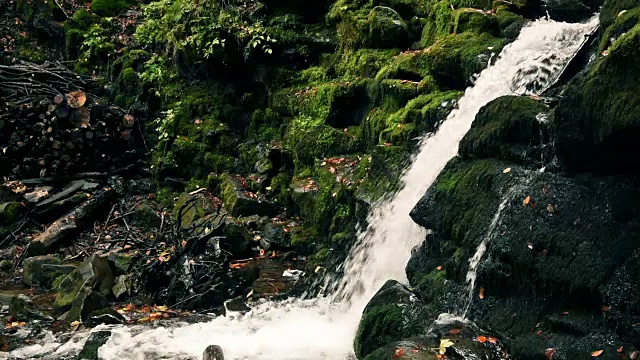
pixel 49 126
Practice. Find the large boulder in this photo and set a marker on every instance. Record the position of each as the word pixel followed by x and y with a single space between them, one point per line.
pixel 239 202
pixel 511 128
pixel 392 314
pixel 597 121
pixel 37 270
pixel 559 252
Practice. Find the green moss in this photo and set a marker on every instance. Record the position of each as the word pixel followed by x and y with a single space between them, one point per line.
pixel 465 194
pixel 474 21
pixel 442 20
pixel 363 62
pixel 510 23
pixel 379 326
pixel 504 122
pixel 611 10
pixel 454 59
pixel 108 7
pixel 622 24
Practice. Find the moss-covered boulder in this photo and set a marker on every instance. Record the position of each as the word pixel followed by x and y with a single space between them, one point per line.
pixel 569 10
pixel 597 123
pixel 240 202
pixel 453 60
pixel 93 276
pixel 391 315
pixel 44 270
pixel 387 29
pixel 10 212
pixel 511 128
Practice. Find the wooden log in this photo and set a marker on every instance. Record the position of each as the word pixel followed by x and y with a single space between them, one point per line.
pixel 71 224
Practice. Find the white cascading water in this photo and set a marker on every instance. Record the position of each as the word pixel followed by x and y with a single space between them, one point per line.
pixel 324 328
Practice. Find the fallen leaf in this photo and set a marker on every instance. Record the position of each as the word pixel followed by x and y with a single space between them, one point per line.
pixel 454 331
pixel 549 353
pixel 526 201
pixel 621 349
pixel 605 53
pixel 605 308
pixel 261 252
pixel 550 208
pixel 492 340
pixel 507 170
pixel 444 344
pixel 565 313
pixel 481 339
pixel 75 325
pixel 634 355
pixel 398 353
pixel 481 293
pixel 597 353
pixel 539 332
pixel 439 268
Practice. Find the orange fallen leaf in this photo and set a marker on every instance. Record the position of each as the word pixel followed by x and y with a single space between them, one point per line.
pixel 597 353
pixel 539 332
pixel 492 340
pixel 526 201
pixel 621 349
pixel 481 294
pixel 415 351
pixel 549 353
pixel 261 252
pixel 454 331
pixel 481 339
pixel 565 313
pixel 398 353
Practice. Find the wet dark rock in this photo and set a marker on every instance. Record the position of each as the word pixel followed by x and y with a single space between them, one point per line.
pixel 273 237
pixel 85 303
pixel 194 208
pixel 36 272
pixel 22 308
pixel 10 212
pixel 106 316
pixel 121 263
pixel 213 352
pixel 239 202
pixel 568 10
pixel 544 257
pixel 236 305
pixel 511 128
pixel 464 343
pixel 391 315
pixel 146 217
pixel 596 121
pixel 236 239
pixel 90 283
pixel 95 340
pixel 122 286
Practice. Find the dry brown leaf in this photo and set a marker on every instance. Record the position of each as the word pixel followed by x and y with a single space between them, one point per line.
pixel 492 340
pixel 526 201
pixel 550 208
pixel 549 353
pixel 597 353
pixel 128 121
pixel 439 268
pixel 507 170
pixel 620 349
pixel 634 355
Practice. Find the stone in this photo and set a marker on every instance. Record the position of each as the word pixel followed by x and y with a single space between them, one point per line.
pixel 35 272
pixel 146 217
pixel 239 202
pixel 93 343
pixel 22 308
pixel 106 316
pixel 94 274
pixel 38 194
pixel 273 237
pixel 391 315
pixel 122 263
pixel 122 286
pixel 85 303
pixel 568 10
pixel 236 305
pixel 213 352
pixel 237 239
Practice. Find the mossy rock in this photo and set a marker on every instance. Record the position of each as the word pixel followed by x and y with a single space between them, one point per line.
pixel 475 21
pixel 93 343
pixel 568 10
pixel 441 19
pixel 387 29
pixel 239 202
pixel 511 128
pixel 10 212
pixel 612 8
pixel 94 275
pixel 363 62
pixel 509 23
pixel 108 7
pixel 597 120
pixel 392 314
pixel 625 21
pixel 454 59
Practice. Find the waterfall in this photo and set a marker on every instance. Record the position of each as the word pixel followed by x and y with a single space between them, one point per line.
pixel 324 328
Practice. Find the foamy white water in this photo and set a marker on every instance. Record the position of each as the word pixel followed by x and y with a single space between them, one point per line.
pixel 324 328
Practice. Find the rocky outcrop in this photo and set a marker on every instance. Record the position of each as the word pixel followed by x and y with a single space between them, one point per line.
pixel 559 273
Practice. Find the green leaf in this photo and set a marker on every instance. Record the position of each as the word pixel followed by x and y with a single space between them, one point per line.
pixel 444 344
